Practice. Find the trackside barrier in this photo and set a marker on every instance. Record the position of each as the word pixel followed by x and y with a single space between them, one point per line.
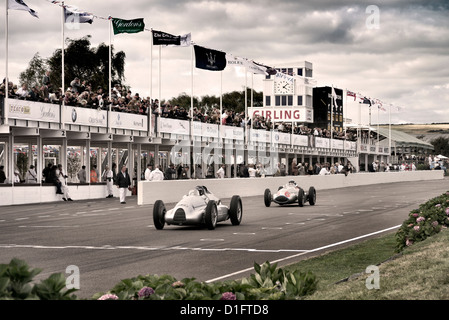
pixel 172 191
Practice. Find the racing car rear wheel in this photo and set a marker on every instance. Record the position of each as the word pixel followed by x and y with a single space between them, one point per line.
pixel 211 215
pixel 301 197
pixel 267 197
pixel 312 196
pixel 159 214
pixel 235 210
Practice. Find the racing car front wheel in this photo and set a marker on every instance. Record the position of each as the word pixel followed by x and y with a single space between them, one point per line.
pixel 211 217
pixel 301 197
pixel 235 210
pixel 267 197
pixel 159 214
pixel 312 196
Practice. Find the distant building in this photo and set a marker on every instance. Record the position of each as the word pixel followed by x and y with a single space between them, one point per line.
pixel 288 95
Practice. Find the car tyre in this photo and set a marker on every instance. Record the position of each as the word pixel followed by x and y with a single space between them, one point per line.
pixel 267 197
pixel 236 210
pixel 159 214
pixel 312 196
pixel 211 215
pixel 301 197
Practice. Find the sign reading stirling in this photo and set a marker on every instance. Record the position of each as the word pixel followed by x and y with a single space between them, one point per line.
pixel 296 114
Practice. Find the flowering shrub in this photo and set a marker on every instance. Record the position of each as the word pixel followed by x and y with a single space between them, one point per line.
pixel 429 219
pixel 16 283
pixel 269 282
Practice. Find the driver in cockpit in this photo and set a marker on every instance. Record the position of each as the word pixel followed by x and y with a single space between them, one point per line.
pixel 292 184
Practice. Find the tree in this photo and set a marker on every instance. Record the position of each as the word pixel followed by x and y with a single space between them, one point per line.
pixel 80 60
pixel 35 72
pixel 441 145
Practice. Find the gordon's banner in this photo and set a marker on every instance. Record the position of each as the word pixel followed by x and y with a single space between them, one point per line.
pixel 127 26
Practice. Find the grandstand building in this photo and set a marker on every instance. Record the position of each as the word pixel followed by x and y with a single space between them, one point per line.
pixel 37 133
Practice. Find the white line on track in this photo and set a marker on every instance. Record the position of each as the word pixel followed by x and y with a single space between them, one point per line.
pixel 48 226
pixel 143 248
pixel 305 252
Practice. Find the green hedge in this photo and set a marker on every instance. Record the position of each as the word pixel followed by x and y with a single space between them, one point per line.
pixel 268 283
pixel 424 222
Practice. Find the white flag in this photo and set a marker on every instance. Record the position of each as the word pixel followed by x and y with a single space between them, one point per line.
pixel 235 61
pixel 20 5
pixel 258 68
pixel 186 40
pixel 74 15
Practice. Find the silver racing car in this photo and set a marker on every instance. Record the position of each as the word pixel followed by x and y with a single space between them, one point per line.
pixel 290 193
pixel 198 207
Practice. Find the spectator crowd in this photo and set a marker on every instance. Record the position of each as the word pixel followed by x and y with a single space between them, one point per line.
pixel 80 93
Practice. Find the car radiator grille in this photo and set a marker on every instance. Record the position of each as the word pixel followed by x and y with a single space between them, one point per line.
pixel 282 199
pixel 180 216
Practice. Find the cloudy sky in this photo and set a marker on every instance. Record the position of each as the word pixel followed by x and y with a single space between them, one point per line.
pixel 403 60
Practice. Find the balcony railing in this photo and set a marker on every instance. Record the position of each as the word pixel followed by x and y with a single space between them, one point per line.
pixel 23 113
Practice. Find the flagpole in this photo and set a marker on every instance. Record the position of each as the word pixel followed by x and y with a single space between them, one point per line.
pixel 192 52
pixel 6 104
pixel 252 97
pixel 246 106
pixel 110 65
pixel 389 133
pixel 332 116
pixel 62 66
pixel 221 107
pixel 160 79
pixel 150 112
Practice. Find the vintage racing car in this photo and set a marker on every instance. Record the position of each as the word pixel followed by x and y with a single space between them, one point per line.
pixel 290 193
pixel 198 207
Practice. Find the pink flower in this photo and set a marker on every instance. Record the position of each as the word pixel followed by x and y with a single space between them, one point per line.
pixel 447 211
pixel 435 223
pixel 415 215
pixel 145 292
pixel 416 228
pixel 408 242
pixel 108 296
pixel 420 219
pixel 437 205
pixel 228 296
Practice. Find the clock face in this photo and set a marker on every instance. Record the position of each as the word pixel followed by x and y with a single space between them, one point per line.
pixel 283 87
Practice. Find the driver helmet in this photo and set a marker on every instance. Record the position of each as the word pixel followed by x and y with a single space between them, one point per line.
pixel 292 183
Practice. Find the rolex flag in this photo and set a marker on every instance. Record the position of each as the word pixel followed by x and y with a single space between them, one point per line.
pixel 127 26
pixel 20 5
pixel 235 61
pixel 209 59
pixel 73 15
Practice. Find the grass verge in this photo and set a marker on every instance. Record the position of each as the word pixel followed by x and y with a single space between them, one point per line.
pixel 421 272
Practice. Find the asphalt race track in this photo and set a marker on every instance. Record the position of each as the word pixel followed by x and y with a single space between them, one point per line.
pixel 108 241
